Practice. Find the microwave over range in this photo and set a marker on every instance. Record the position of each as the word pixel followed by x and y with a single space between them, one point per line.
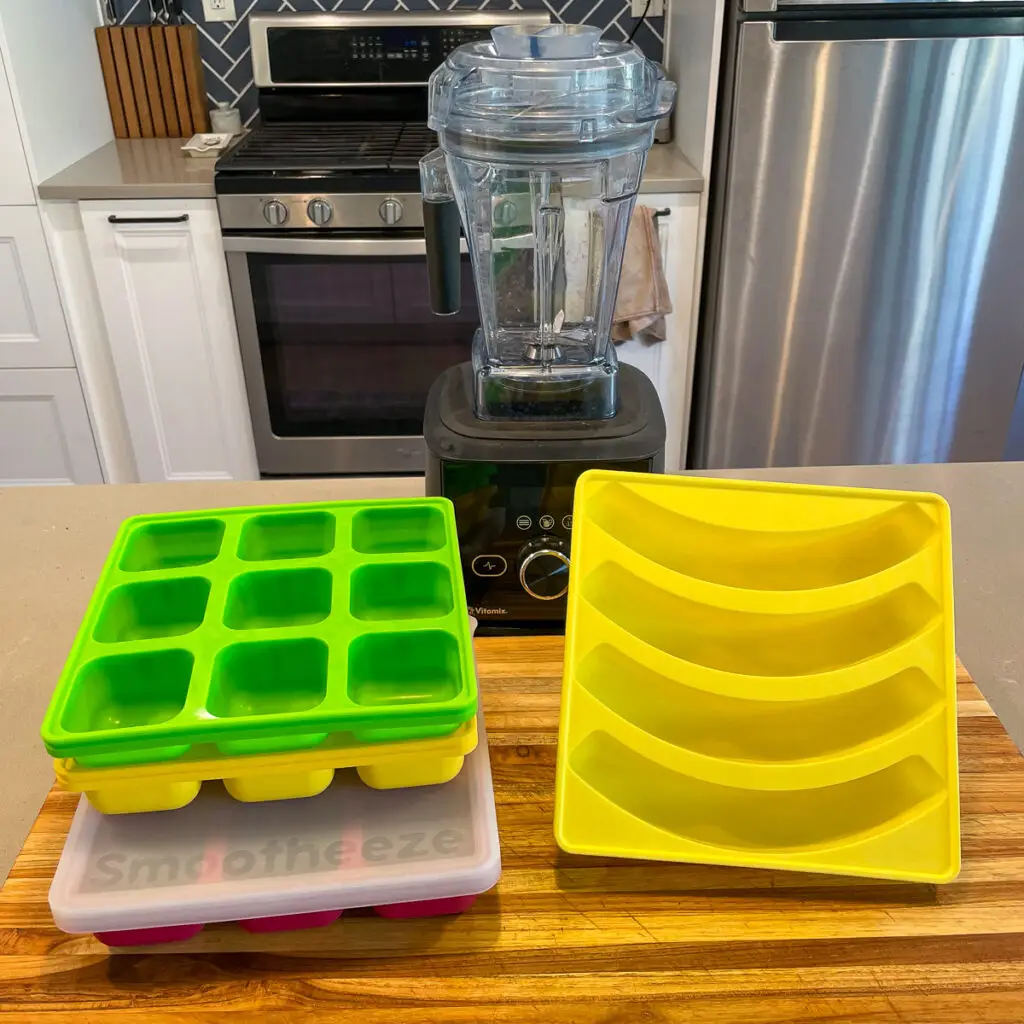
pixel 323 228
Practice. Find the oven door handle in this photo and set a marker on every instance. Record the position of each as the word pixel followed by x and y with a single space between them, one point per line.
pixel 292 246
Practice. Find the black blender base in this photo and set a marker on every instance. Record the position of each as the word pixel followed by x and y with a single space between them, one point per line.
pixel 512 484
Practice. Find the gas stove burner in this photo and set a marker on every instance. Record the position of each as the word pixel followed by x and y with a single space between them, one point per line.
pixel 317 147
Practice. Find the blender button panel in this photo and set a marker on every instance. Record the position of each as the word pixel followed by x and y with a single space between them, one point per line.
pixel 489 565
pixel 547 522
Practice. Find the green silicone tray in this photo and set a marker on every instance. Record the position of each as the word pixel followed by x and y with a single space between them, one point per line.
pixel 267 629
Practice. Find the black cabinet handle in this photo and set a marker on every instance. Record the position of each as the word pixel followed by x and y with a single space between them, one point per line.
pixel 114 219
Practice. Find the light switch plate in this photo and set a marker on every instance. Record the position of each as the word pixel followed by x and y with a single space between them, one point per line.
pixel 656 10
pixel 224 10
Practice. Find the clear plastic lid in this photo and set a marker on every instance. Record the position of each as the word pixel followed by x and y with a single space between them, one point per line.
pixel 551 84
pixel 221 860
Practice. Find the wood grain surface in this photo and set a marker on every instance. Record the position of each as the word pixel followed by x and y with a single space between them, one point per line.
pixel 138 79
pixel 152 82
pixel 188 41
pixel 575 939
pixel 179 82
pixel 165 83
pixel 110 83
pixel 118 47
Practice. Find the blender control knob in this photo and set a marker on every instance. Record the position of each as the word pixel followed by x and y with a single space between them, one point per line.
pixel 319 212
pixel 275 212
pixel 544 568
pixel 390 211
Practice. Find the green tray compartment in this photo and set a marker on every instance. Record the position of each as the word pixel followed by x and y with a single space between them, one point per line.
pixel 409 590
pixel 172 545
pixel 287 535
pixel 387 530
pixel 286 597
pixel 267 629
pixel 157 608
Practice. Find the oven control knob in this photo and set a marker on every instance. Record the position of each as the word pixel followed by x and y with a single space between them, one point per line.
pixel 275 212
pixel 544 568
pixel 319 212
pixel 390 211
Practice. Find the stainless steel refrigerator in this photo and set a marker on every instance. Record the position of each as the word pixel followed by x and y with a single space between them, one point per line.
pixel 864 297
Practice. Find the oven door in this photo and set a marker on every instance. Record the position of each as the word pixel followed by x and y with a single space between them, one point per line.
pixel 339 349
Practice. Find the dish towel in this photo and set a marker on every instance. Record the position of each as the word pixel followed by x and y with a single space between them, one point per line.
pixel 643 299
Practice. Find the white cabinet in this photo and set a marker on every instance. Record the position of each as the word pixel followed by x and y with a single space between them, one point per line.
pixel 45 436
pixel 163 290
pixel 669 363
pixel 33 332
pixel 15 180
pixel 49 47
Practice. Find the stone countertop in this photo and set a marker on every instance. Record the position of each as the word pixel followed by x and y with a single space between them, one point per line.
pixel 668 170
pixel 53 542
pixel 134 169
pixel 157 169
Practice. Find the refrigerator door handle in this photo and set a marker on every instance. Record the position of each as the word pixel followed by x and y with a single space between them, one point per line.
pixel 904 27
pixel 859 8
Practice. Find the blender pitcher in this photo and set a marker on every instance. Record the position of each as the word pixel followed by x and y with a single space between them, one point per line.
pixel 543 134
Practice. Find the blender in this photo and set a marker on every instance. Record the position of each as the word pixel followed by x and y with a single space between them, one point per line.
pixel 543 132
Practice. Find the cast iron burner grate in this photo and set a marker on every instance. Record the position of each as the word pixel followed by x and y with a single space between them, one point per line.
pixel 326 147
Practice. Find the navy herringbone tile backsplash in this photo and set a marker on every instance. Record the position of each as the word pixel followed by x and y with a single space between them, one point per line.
pixel 225 45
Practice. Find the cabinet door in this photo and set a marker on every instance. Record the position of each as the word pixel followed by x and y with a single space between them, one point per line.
pixel 15 180
pixel 45 436
pixel 162 283
pixel 33 332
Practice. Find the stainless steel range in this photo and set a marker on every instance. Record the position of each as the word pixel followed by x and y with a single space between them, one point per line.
pixel 323 227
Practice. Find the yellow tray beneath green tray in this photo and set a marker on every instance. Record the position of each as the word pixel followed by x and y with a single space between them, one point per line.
pixel 168 785
pixel 760 674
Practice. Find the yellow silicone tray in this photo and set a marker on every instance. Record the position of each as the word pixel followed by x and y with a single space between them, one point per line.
pixel 167 785
pixel 762 675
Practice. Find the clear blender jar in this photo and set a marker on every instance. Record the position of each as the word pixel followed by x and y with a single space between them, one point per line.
pixel 543 134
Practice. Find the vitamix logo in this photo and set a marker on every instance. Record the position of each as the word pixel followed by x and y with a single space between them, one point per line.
pixel 276 857
pixel 487 611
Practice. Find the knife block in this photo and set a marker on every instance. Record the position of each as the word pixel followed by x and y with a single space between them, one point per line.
pixel 154 79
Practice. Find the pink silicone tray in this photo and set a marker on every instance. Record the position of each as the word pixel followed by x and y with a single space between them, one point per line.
pixel 286 922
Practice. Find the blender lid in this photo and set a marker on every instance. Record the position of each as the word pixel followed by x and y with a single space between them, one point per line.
pixel 555 83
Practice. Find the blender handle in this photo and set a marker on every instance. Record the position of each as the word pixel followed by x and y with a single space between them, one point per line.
pixel 444 260
pixel 441 229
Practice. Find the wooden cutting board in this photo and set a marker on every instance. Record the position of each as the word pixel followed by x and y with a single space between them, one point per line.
pixel 577 939
pixel 153 76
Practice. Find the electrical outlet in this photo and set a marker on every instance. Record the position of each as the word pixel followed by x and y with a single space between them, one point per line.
pixel 656 10
pixel 224 10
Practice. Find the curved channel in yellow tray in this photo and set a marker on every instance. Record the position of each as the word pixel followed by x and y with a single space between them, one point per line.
pixel 170 785
pixel 755 820
pixel 782 557
pixel 925 731
pixel 741 729
pixel 924 650
pixel 918 568
pixel 755 644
